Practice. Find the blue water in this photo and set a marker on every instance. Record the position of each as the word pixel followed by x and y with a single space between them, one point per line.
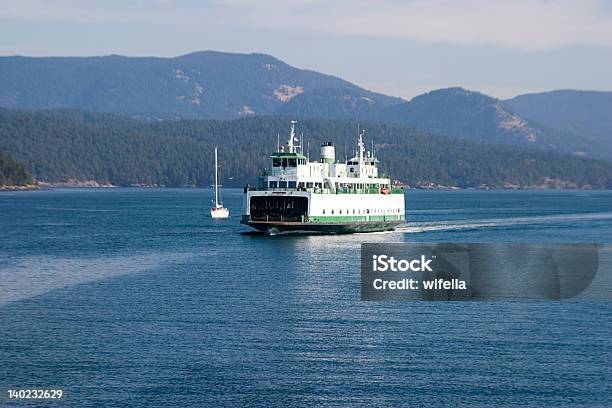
pixel 135 297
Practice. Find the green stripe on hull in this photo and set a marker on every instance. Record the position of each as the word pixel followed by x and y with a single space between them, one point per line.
pixel 274 227
pixel 356 218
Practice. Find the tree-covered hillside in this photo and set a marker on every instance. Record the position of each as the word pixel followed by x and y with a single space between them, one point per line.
pixel 456 112
pixel 13 173
pixel 219 85
pixel 68 144
pixel 584 113
pixel 201 85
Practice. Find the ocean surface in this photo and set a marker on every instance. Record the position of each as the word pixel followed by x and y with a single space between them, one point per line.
pixel 136 297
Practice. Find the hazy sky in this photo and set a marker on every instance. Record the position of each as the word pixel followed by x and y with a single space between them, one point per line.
pixel 397 47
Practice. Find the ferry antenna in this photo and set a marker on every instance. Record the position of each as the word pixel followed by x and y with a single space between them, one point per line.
pixel 302 142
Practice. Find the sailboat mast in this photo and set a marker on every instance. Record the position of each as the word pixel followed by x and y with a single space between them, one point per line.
pixel 216 181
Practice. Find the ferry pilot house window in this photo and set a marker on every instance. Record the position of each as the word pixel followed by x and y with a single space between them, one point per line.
pixel 284 162
pixel 273 184
pixel 276 162
pixel 292 184
pixel 292 162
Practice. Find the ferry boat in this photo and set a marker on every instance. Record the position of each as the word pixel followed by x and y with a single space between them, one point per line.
pixel 324 196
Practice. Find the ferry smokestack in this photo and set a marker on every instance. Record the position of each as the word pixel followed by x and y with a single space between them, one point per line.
pixel 328 153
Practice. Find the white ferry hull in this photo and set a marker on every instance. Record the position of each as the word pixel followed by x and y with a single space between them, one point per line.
pixel 303 211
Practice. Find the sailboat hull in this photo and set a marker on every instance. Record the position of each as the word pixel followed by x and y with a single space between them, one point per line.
pixel 221 212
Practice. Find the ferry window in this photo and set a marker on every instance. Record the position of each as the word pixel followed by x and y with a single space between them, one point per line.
pixel 332 210
pixel 282 184
pixel 353 211
pixel 292 184
pixel 352 170
pixel 324 211
pixel 276 162
pixel 273 184
pixel 284 162
pixel 341 211
pixel 367 211
pixel 308 185
pixel 319 185
pixel 292 162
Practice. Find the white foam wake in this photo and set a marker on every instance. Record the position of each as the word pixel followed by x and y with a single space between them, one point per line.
pixel 416 227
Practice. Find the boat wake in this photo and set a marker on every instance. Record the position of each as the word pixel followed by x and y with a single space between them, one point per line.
pixel 432 226
pixel 36 275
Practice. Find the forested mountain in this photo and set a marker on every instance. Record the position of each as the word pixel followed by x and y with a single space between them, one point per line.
pixel 452 112
pixel 88 146
pixel 337 104
pixel 584 113
pixel 216 85
pixel 13 173
pixel 199 85
pixel 458 112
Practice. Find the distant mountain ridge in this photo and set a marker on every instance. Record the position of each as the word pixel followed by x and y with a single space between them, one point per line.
pixel 585 113
pixel 452 112
pixel 218 85
pixel 201 85
pixel 475 116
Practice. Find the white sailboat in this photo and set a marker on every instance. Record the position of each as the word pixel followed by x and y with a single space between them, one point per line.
pixel 218 211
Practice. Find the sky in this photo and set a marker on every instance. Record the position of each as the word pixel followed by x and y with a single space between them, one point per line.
pixel 397 47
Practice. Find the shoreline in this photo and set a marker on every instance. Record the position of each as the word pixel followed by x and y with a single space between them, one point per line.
pixel 87 186
pixel 26 187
